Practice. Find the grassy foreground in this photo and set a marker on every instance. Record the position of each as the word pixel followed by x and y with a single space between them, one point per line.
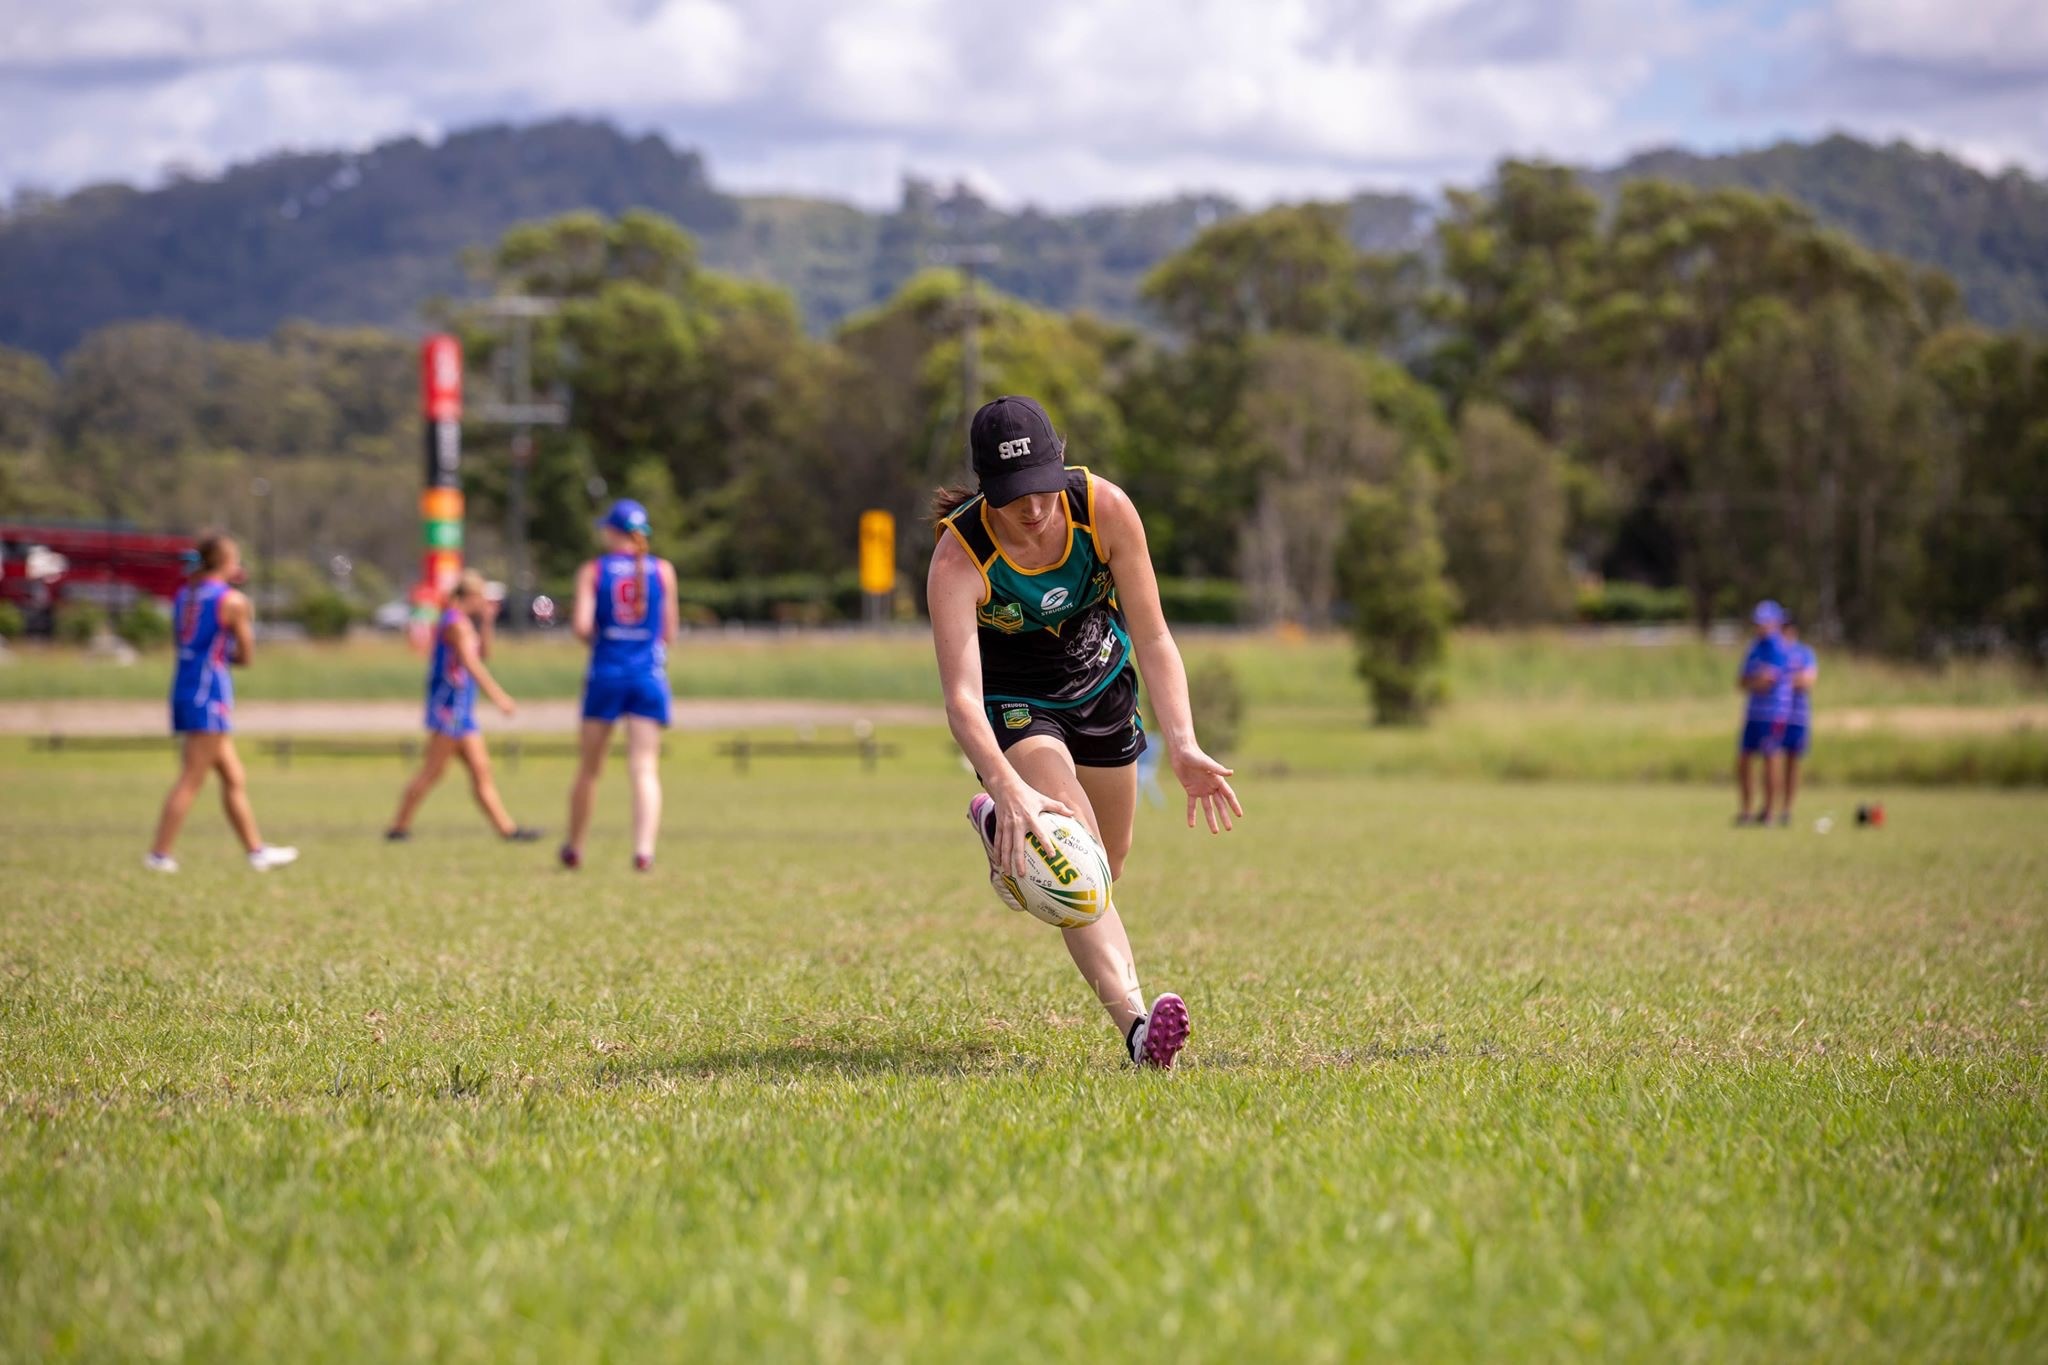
pixel 1480 1071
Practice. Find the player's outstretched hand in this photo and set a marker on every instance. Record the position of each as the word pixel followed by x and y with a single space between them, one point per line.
pixel 1207 783
pixel 1018 806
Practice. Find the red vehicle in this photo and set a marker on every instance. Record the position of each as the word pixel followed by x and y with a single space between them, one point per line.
pixel 112 564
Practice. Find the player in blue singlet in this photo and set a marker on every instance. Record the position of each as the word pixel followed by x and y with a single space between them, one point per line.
pixel 1802 669
pixel 462 637
pixel 1767 683
pixel 1045 609
pixel 626 611
pixel 214 629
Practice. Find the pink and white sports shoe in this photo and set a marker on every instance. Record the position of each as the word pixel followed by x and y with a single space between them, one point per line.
pixel 1158 1038
pixel 981 813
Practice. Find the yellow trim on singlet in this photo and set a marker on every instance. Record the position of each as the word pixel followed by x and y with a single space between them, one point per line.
pixel 1065 555
pixel 1094 535
pixel 988 589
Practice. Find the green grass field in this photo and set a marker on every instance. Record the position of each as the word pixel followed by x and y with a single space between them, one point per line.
pixel 1312 671
pixel 1540 705
pixel 1481 1070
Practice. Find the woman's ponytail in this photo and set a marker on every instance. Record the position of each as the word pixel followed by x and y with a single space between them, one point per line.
pixel 640 568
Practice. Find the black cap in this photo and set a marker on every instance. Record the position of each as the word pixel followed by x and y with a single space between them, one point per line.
pixel 1016 451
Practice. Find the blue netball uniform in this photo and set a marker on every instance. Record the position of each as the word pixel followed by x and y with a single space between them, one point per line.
pixel 1763 726
pixel 628 661
pixel 202 692
pixel 451 688
pixel 1799 716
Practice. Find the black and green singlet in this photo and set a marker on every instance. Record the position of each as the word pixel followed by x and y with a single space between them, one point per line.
pixel 1052 636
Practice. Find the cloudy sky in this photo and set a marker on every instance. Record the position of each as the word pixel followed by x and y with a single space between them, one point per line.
pixel 1085 101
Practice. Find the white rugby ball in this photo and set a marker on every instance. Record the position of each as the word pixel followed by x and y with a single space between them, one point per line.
pixel 1067 884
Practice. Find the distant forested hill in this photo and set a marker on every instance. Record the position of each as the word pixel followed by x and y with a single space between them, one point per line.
pixel 368 237
pixel 334 238
pixel 1990 232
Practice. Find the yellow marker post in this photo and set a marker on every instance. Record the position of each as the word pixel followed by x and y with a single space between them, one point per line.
pixel 877 563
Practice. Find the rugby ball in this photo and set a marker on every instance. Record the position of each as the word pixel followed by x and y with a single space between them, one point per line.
pixel 1067 884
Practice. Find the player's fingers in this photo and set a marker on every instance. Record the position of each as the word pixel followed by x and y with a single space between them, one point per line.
pixel 1222 809
pixel 1024 853
pixel 1230 795
pixel 1191 810
pixel 1209 810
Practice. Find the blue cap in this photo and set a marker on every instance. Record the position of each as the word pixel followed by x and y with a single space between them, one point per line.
pixel 628 516
pixel 1768 613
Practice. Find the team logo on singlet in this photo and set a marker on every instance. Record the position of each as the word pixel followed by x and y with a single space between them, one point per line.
pixel 1007 617
pixel 1053 600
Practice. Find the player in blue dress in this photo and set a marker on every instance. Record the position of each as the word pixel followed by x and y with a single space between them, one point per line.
pixel 214 628
pixel 1767 683
pixel 626 611
pixel 462 637
pixel 1802 669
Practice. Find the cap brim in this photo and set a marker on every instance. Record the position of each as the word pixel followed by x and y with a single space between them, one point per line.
pixel 1018 483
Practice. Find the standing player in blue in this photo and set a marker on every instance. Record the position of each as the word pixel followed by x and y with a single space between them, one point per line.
pixel 1042 594
pixel 1767 683
pixel 626 612
pixel 214 627
pixel 462 637
pixel 1801 670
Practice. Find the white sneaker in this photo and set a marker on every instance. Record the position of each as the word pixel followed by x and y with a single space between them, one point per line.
pixel 159 862
pixel 272 855
pixel 981 815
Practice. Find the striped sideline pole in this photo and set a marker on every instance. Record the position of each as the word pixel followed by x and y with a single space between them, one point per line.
pixel 441 498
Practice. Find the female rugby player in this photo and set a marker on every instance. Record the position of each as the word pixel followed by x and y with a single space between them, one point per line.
pixel 626 612
pixel 215 629
pixel 462 638
pixel 1042 593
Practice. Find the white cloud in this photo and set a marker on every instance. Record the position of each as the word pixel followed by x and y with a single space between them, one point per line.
pixel 1064 102
pixel 1995 34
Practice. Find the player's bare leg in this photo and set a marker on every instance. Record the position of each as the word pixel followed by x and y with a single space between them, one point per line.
pixel 439 749
pixel 477 759
pixel 1744 783
pixel 594 738
pixel 643 763
pixel 196 760
pixel 1101 950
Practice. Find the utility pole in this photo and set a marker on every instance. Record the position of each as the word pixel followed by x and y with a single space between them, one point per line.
pixel 514 380
pixel 968 258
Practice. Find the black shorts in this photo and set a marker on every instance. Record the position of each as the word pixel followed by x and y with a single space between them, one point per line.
pixel 1105 731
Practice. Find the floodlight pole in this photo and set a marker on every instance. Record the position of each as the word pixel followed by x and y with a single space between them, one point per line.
pixel 968 258
pixel 523 414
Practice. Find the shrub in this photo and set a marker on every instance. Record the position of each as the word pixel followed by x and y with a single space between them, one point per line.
pixel 325 614
pixel 1629 603
pixel 144 625
pixel 1202 601
pixel 1390 568
pixel 78 623
pixel 1217 702
pixel 11 623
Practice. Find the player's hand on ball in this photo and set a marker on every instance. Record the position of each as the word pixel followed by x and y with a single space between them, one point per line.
pixel 1018 806
pixel 1208 787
